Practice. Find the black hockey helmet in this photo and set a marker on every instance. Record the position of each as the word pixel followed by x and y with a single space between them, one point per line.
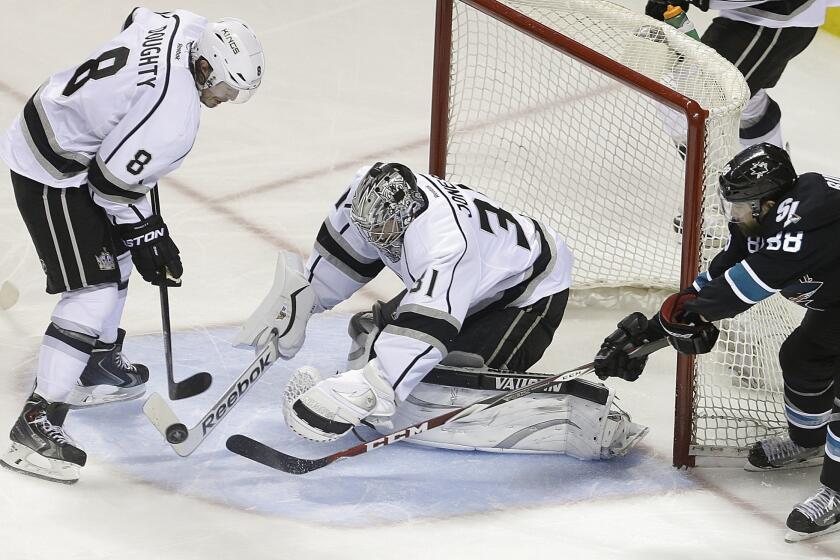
pixel 760 172
pixel 757 174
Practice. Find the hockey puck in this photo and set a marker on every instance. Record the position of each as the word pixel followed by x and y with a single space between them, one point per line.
pixel 177 433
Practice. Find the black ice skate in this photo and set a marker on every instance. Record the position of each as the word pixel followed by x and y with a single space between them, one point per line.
pixel 40 447
pixel 109 377
pixel 775 453
pixel 818 515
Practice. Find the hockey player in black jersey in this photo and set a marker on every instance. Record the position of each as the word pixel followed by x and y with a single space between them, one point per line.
pixel 88 146
pixel 759 38
pixel 783 238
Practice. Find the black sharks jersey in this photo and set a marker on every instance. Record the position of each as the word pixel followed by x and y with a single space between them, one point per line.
pixel 462 254
pixel 796 254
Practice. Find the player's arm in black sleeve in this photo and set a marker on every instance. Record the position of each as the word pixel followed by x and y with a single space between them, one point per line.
pixel 757 277
pixel 734 252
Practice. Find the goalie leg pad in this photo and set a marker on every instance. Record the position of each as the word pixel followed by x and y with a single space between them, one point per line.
pixel 582 422
pixel 286 309
pixel 324 410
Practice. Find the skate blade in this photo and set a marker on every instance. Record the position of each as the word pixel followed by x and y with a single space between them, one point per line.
pixel 795 536
pixel 87 397
pixel 20 458
pixel 812 462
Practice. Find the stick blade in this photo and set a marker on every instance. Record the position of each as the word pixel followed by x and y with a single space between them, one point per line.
pixel 162 417
pixel 191 386
pixel 261 453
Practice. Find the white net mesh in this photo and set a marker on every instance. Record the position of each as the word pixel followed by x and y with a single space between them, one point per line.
pixel 600 162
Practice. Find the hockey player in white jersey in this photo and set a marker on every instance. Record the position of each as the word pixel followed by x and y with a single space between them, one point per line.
pixel 485 288
pixel 87 148
pixel 759 37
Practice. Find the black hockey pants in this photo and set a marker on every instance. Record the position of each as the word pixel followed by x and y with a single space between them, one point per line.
pixel 810 360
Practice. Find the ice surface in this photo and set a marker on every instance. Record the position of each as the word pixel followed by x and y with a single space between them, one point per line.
pixel 402 483
pixel 347 83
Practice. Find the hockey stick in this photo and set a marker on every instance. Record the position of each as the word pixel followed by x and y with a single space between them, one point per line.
pixel 185 440
pixel 261 453
pixel 196 383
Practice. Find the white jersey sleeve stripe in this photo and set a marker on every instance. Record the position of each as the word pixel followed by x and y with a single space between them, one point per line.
pixel 340 265
pixel 45 122
pixel 333 252
pixel 417 335
pixel 429 312
pixel 37 132
pixel 111 187
pixel 338 238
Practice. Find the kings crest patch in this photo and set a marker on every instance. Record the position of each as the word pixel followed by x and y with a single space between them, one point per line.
pixel 105 260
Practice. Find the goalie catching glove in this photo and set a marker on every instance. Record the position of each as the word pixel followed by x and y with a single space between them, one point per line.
pixel 152 250
pixel 284 312
pixel 326 409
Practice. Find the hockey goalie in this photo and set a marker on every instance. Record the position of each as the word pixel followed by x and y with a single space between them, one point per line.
pixel 485 290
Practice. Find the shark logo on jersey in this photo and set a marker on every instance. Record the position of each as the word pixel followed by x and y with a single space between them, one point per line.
pixel 802 293
pixel 759 169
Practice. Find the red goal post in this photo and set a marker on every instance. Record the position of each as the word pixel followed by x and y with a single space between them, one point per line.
pixel 516 84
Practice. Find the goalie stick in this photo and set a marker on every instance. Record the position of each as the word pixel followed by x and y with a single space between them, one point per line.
pixel 261 453
pixel 196 383
pixel 185 440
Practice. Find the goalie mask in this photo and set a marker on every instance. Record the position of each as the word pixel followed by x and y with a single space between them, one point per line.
pixel 236 57
pixel 386 202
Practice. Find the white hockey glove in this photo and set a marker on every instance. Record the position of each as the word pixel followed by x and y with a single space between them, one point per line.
pixel 286 308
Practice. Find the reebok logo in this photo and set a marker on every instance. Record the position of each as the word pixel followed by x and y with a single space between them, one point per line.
pixel 235 393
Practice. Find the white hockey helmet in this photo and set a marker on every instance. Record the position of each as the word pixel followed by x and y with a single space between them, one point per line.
pixel 235 54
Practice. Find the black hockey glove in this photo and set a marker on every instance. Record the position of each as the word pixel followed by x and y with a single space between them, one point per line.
pixel 613 358
pixel 687 332
pixel 154 253
pixel 657 8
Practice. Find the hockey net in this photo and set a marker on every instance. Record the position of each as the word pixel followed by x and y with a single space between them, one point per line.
pixel 612 128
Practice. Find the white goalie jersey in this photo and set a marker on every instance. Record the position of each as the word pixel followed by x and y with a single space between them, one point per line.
pixel 119 121
pixel 462 254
